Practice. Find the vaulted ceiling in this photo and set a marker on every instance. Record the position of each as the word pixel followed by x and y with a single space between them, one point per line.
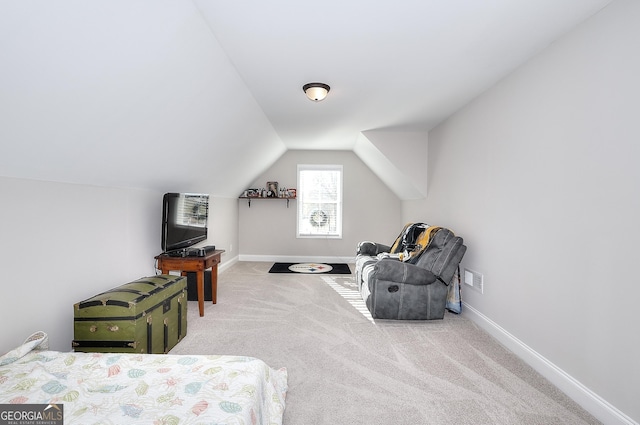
pixel 186 95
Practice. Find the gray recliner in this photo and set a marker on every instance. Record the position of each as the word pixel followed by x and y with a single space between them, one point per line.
pixel 414 289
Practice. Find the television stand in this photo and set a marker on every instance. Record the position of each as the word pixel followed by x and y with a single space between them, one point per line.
pixel 167 263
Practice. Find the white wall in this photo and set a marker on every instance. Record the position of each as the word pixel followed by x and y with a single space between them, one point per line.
pixel 63 243
pixel 399 158
pixel 268 228
pixel 540 176
pixel 223 228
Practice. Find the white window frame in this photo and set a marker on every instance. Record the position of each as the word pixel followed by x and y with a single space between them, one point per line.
pixel 303 230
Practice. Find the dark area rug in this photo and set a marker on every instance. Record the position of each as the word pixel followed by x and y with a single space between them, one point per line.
pixel 311 268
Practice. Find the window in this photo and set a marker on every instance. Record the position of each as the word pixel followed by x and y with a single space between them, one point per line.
pixel 320 201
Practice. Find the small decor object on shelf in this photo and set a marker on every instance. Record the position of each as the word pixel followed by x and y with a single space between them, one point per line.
pixel 272 189
pixel 251 193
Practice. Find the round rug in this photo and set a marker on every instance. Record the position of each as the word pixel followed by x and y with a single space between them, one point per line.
pixel 310 268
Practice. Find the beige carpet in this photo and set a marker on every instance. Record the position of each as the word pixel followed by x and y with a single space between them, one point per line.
pixel 346 369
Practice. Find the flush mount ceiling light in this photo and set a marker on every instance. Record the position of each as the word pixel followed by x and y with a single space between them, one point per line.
pixel 316 91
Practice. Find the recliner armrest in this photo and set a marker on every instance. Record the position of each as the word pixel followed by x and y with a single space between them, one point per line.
pixel 396 271
pixel 371 248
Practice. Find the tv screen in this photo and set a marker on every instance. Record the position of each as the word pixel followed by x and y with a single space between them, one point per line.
pixel 184 220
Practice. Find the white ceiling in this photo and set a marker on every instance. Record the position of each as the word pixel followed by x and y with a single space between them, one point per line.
pixel 402 64
pixel 205 95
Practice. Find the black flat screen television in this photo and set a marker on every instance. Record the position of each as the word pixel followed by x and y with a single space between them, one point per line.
pixel 184 220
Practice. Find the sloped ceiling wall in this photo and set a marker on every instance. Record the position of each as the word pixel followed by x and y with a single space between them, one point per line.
pixel 399 158
pixel 120 94
pixel 140 93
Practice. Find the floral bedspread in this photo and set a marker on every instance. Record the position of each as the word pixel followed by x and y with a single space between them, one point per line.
pixel 158 389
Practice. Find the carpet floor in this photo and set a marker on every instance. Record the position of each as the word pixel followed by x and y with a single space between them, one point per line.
pixel 346 368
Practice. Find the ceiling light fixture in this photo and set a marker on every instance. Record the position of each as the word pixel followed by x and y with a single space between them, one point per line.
pixel 316 91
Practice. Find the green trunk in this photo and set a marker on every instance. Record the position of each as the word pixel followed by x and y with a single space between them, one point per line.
pixel 145 316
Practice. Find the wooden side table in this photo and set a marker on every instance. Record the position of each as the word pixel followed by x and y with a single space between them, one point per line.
pixel 198 265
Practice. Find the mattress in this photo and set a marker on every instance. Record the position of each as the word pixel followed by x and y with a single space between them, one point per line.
pixel 115 388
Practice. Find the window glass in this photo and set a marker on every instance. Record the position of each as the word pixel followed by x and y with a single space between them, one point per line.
pixel 320 201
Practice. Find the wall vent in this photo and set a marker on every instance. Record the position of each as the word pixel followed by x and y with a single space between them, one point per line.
pixel 474 279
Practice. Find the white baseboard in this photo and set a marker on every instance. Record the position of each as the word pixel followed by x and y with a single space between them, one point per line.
pixel 228 262
pixel 590 401
pixel 296 259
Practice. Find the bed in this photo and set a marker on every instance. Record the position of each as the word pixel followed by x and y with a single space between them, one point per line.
pixel 158 389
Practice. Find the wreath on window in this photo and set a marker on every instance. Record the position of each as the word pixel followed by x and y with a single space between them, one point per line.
pixel 318 218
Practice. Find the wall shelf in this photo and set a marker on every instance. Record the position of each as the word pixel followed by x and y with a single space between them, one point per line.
pixel 261 198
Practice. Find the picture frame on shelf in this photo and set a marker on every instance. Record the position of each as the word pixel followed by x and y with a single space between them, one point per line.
pixel 272 189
